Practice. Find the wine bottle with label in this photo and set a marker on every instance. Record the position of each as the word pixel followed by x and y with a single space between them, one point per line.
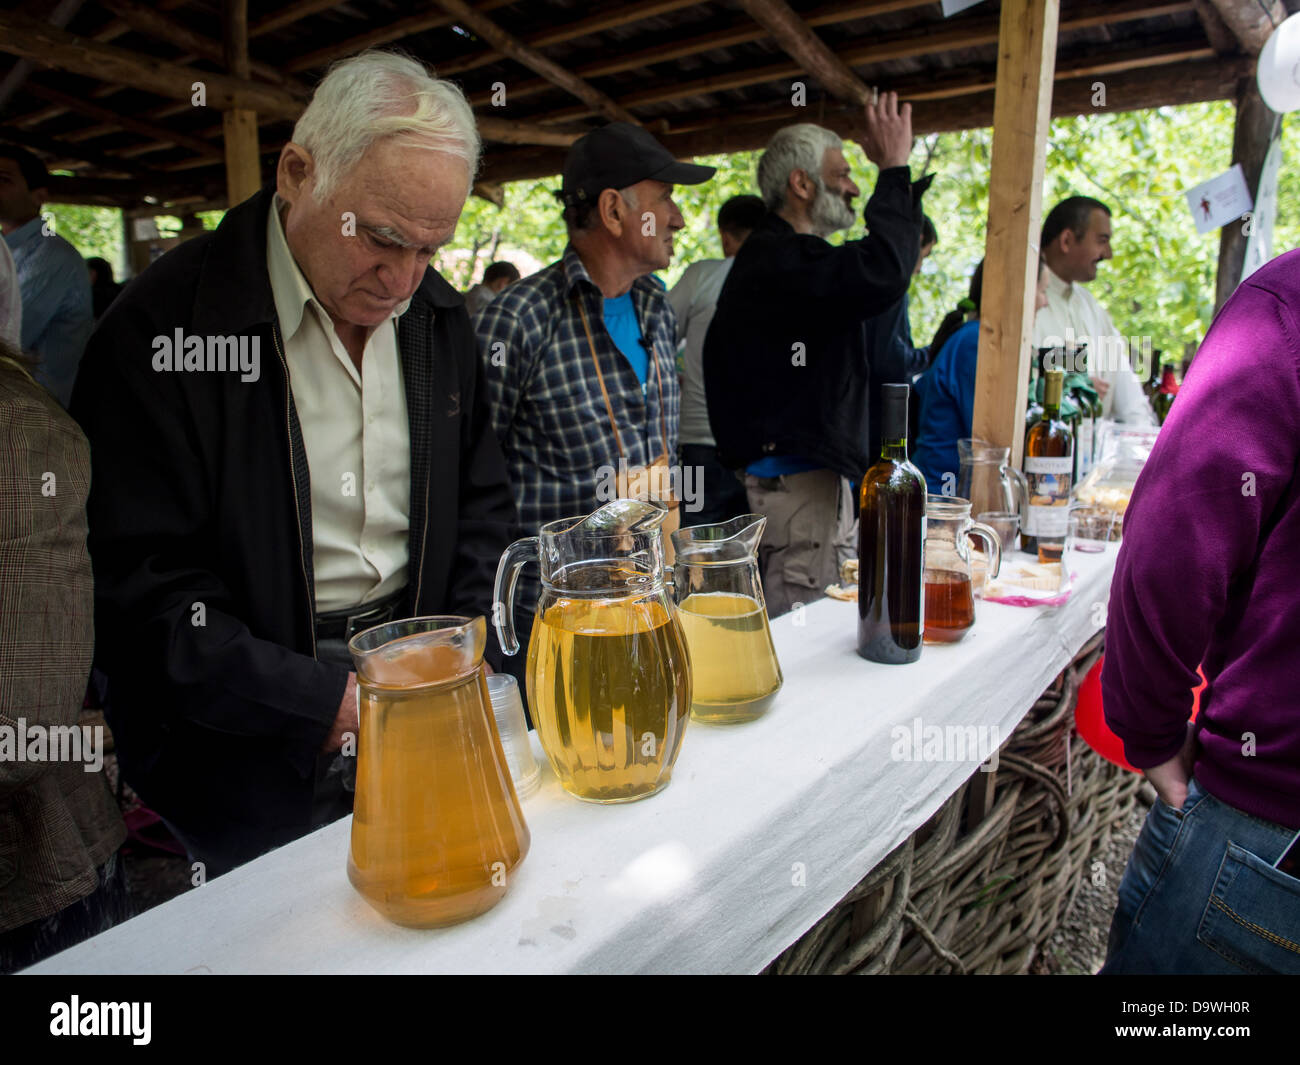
pixel 891 545
pixel 1049 464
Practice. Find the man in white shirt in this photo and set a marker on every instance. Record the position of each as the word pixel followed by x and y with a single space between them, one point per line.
pixel 1076 238
pixel 693 300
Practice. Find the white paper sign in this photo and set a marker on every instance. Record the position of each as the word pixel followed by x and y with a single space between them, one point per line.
pixel 1259 245
pixel 951 7
pixel 1220 200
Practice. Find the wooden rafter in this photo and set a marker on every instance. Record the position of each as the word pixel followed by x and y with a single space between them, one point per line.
pixel 510 45
pixel 1211 79
pixel 799 42
pixel 23 36
pixel 1251 21
pixel 882 48
pixel 152 23
pixel 381 35
pixel 740 32
pixel 160 134
pixel 1216 30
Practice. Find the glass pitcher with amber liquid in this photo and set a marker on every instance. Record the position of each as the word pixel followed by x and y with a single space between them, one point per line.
pixel 609 678
pixel 734 671
pixel 949 591
pixel 436 829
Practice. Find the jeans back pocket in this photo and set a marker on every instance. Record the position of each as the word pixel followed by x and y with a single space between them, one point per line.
pixel 1253 915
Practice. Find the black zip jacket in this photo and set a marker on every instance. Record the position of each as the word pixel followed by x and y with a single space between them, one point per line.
pixel 789 362
pixel 201 534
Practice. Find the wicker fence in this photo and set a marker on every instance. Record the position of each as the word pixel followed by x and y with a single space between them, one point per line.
pixel 983 897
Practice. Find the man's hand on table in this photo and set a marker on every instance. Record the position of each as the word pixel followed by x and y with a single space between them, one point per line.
pixel 1170 778
pixel 346 721
pixel 888 137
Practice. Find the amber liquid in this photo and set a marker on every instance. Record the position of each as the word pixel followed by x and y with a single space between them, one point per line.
pixel 734 672
pixel 891 542
pixel 949 606
pixel 1049 438
pixel 609 683
pixel 436 828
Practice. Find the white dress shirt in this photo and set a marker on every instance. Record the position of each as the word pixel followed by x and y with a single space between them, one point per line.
pixel 11 300
pixel 1073 314
pixel 355 431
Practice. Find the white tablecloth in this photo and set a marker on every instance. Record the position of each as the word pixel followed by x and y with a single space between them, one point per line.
pixel 764 827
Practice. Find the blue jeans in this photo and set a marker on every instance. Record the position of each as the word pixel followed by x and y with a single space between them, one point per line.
pixel 1199 895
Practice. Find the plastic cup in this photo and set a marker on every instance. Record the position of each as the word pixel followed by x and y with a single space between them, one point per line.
pixel 1005 523
pixel 1088 528
pixel 508 709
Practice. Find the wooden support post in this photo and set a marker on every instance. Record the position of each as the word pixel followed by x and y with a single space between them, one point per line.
pixel 1250 140
pixel 1021 110
pixel 239 125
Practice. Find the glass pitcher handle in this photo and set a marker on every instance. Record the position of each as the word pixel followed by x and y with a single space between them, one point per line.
pixel 1018 485
pixel 515 558
pixel 992 541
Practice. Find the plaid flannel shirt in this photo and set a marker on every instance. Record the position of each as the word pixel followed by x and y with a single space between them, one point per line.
pixel 545 397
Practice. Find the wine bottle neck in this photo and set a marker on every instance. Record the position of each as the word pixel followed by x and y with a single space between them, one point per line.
pixel 894 450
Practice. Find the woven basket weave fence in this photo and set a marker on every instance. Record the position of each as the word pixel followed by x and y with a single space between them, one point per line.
pixel 984 899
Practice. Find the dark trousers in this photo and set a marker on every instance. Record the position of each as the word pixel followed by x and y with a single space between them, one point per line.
pixel 722 492
pixel 99 911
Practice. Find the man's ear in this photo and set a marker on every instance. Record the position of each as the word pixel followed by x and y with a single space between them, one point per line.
pixel 612 210
pixel 40 196
pixel 800 185
pixel 293 171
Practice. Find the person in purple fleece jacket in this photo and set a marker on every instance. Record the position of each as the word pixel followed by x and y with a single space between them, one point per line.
pixel 1209 574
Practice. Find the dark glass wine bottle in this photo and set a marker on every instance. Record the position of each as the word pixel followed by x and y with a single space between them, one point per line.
pixel 1049 464
pixel 891 545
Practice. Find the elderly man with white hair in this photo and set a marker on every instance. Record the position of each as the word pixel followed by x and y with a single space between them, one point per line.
pixel 790 371
pixel 290 444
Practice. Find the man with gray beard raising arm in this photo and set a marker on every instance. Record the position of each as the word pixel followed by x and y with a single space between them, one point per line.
pixel 788 369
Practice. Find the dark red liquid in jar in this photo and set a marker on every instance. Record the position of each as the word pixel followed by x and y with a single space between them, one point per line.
pixel 949 606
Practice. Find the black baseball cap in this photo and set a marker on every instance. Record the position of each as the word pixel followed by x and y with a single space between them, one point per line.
pixel 619 155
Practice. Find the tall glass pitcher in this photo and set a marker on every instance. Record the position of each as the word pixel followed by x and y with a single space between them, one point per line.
pixel 734 671
pixel 437 828
pixel 987 479
pixel 609 679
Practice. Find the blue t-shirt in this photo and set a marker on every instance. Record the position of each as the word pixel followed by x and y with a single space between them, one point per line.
pixel 625 331
pixel 947 395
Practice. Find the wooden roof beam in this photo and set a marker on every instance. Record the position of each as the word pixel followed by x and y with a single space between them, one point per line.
pixel 911 44
pixel 47 46
pixel 1251 21
pixel 1134 90
pixel 145 129
pixel 510 45
pixel 151 23
pixel 380 35
pixel 808 50
pixel 1216 30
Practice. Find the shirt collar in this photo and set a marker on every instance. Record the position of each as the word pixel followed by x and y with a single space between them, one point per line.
pixel 1056 286
pixel 575 274
pixel 289 287
pixel 24 233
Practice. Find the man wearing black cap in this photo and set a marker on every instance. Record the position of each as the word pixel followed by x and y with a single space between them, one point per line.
pixel 580 357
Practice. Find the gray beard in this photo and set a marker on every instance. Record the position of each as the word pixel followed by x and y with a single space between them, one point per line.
pixel 830 213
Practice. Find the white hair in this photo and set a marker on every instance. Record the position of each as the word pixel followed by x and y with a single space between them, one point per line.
pixel 799 147
pixel 383 94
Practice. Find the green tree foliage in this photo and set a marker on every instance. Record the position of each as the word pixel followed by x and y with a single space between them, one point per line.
pixel 93 231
